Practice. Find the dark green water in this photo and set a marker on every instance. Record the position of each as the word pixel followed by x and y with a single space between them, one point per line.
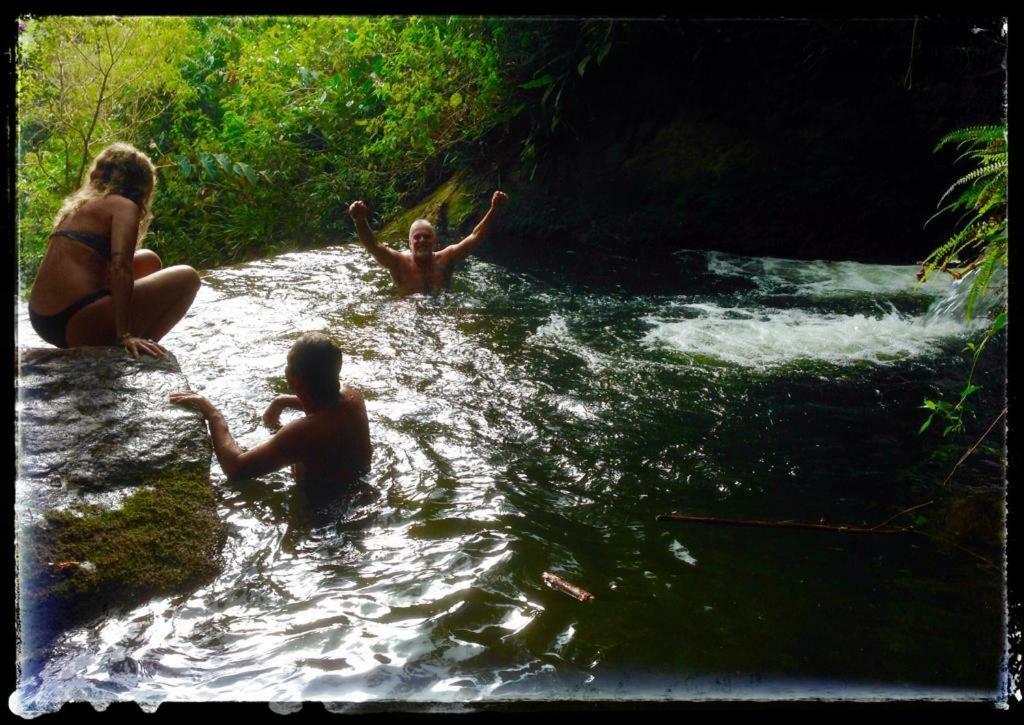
pixel 526 423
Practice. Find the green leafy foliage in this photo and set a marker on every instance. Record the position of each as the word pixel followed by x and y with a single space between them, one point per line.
pixel 82 84
pixel 979 246
pixel 553 65
pixel 981 240
pixel 264 128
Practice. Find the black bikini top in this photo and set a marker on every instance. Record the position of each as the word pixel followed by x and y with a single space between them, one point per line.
pixel 97 242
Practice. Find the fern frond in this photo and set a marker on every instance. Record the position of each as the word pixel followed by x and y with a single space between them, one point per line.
pixel 973 134
pixel 980 284
pixel 985 155
pixel 944 254
pixel 976 174
pixel 1000 191
pixel 995 200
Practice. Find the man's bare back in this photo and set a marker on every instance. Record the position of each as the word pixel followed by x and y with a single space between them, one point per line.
pixel 328 445
pixel 422 268
pixel 337 439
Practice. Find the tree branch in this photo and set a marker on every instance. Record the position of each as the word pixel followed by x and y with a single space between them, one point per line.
pixel 92 125
pixel 780 524
pixel 975 446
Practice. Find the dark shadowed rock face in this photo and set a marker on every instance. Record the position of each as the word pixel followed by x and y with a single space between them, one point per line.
pixel 114 502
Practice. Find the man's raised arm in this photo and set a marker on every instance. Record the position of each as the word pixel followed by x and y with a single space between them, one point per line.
pixel 388 257
pixel 460 251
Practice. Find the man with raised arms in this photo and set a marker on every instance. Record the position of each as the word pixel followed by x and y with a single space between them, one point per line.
pixel 329 445
pixel 422 268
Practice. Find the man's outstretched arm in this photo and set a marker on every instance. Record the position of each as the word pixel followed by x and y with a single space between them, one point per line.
pixel 388 257
pixel 272 455
pixel 460 251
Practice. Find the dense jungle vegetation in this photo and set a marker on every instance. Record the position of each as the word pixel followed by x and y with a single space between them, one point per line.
pixel 264 128
pixel 803 138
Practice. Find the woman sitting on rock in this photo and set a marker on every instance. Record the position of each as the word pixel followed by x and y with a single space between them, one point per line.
pixel 93 287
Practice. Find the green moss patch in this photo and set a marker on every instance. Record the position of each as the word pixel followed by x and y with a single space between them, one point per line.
pixel 453 206
pixel 165 538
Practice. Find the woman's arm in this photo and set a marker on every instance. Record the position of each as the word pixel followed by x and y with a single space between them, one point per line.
pixel 124 234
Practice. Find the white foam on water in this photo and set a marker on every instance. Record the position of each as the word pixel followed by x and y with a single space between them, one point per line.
pixel 820 278
pixel 759 336
pixel 680 552
pixel 771 337
pixel 554 329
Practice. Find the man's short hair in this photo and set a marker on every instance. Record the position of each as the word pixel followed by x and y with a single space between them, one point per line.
pixel 317 361
pixel 421 221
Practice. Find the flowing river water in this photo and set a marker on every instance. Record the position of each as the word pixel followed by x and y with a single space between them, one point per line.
pixel 525 424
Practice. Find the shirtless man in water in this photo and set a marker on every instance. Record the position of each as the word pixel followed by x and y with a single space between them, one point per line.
pixel 422 269
pixel 330 444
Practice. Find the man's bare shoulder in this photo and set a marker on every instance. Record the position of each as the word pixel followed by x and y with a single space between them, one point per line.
pixel 403 262
pixel 299 427
pixel 352 397
pixel 444 256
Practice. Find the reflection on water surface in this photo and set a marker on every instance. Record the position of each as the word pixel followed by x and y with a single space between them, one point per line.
pixel 522 427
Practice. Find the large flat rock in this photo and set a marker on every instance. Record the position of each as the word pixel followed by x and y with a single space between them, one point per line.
pixel 92 421
pixel 114 502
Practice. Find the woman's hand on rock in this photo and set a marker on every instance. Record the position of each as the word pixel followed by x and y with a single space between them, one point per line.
pixel 135 345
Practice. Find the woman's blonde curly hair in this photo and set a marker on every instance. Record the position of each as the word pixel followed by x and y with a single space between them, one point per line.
pixel 118 169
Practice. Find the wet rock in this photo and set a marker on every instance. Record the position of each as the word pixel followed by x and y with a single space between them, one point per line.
pixel 113 498
pixel 93 419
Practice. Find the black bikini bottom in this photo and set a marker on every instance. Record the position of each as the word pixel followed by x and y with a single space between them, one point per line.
pixel 53 328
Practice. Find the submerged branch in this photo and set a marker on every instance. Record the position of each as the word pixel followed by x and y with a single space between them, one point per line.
pixel 558 583
pixel 904 511
pixel 979 557
pixel 975 446
pixel 781 524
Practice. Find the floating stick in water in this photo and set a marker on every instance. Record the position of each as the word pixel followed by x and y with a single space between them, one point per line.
pixel 557 582
pixel 781 524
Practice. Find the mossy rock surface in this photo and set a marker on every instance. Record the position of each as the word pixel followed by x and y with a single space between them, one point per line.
pixel 164 539
pixel 453 208
pixel 114 503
